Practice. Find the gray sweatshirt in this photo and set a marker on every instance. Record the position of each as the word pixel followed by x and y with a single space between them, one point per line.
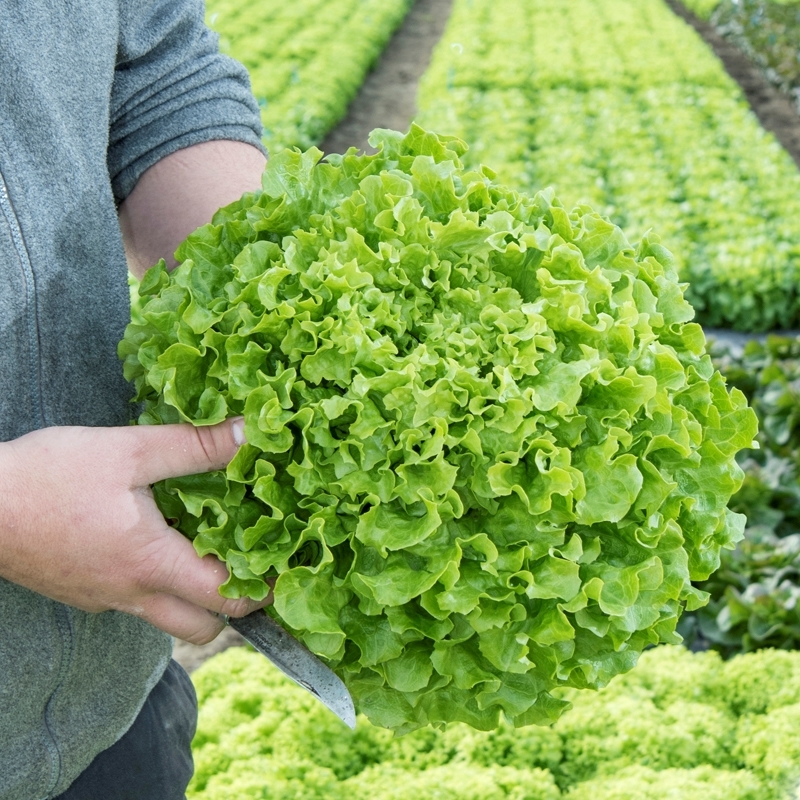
pixel 92 93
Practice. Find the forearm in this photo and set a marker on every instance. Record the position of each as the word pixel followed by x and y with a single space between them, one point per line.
pixel 180 193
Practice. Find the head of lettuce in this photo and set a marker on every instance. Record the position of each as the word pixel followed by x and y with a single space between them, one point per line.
pixel 487 453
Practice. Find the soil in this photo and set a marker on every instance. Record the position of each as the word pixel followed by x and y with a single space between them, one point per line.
pixel 388 97
pixel 774 109
pixel 191 656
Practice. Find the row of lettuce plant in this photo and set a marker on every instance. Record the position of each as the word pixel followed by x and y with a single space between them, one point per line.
pixel 306 59
pixel 680 724
pixel 755 8
pixel 767 31
pixel 755 595
pixel 620 104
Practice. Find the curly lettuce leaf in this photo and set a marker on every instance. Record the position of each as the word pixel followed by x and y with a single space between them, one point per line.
pixel 487 453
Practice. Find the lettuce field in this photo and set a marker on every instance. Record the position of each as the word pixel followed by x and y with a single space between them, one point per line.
pixel 621 105
pixel 516 478
pixel 680 725
pixel 303 76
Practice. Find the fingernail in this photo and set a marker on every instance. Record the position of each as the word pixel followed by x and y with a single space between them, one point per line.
pixel 237 426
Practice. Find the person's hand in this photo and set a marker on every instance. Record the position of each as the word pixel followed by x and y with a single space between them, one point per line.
pixel 78 523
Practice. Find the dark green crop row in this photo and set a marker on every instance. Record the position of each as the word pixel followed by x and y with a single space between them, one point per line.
pixel 769 32
pixel 755 595
pixel 781 10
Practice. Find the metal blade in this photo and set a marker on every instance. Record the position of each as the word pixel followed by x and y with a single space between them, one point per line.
pixel 296 662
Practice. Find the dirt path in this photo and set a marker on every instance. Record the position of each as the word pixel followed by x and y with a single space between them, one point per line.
pixel 774 109
pixel 191 656
pixel 388 97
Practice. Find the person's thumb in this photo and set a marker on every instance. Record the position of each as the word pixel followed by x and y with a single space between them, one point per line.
pixel 170 451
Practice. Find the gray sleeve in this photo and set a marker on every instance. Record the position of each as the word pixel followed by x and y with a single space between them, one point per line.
pixel 172 89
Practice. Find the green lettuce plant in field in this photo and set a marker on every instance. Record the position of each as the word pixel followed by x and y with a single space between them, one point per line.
pixel 487 453
pixel 755 595
pixel 767 31
pixel 750 13
pixel 680 726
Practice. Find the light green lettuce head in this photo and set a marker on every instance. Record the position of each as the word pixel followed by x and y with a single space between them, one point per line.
pixel 486 450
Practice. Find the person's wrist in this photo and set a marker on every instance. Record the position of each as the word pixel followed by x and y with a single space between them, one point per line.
pixel 12 493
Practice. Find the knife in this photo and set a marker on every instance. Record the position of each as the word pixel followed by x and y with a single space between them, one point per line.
pixel 296 662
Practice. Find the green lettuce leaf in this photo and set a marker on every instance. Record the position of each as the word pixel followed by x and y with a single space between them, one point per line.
pixel 487 453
